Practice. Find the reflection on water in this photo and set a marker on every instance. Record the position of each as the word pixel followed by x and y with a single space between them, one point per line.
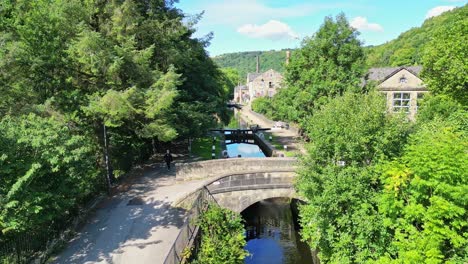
pixel 272 236
pixel 245 150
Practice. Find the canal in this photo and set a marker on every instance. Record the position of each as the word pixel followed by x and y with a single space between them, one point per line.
pixel 272 228
pixel 272 234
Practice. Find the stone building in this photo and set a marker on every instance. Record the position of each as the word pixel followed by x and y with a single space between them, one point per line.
pixel 402 86
pixel 241 94
pixel 263 84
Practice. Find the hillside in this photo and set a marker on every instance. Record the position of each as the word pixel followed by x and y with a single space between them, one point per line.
pixel 407 49
pixel 245 62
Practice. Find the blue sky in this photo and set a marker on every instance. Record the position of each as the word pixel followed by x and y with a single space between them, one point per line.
pixel 251 25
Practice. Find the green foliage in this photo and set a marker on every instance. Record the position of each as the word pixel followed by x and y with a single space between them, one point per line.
pixel 231 80
pixel 409 48
pixel 441 107
pixel 328 64
pixel 424 200
pixel 445 60
pixel 355 128
pixel 67 68
pixel 246 62
pixel 222 237
pixel 263 105
pixel 342 218
pixel 47 167
pixel 201 147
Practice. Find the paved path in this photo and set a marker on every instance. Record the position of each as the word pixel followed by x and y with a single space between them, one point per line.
pixel 138 226
pixel 288 137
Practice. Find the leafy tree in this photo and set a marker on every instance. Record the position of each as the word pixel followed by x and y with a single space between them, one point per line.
pixel 47 167
pixel 67 68
pixel 424 200
pixel 262 105
pixel 328 64
pixel 231 80
pixel 222 237
pixel 445 59
pixel 349 135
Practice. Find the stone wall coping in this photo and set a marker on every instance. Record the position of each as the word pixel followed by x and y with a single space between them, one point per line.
pixel 209 168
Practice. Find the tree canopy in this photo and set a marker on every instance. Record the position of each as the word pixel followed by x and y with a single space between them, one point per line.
pixel 72 70
pixel 327 64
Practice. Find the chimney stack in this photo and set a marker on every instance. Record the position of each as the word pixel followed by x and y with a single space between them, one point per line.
pixel 288 56
pixel 258 63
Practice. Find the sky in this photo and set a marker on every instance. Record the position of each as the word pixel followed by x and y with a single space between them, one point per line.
pixel 259 25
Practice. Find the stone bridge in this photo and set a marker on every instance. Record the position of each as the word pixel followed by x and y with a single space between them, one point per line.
pixel 238 183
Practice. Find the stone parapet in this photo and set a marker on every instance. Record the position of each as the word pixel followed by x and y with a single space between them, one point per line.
pixel 210 168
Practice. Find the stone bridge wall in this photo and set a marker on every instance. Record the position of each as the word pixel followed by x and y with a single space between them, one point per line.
pixel 238 201
pixel 237 192
pixel 219 167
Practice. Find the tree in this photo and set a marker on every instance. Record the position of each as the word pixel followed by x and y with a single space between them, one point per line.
pixel 349 135
pixel 69 67
pixel 47 168
pixel 445 60
pixel 424 200
pixel 231 80
pixel 222 237
pixel 328 64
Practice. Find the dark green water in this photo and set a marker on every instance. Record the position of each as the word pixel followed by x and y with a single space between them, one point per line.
pixel 272 234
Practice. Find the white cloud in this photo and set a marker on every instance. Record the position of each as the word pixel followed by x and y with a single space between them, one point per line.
pixel 254 11
pixel 438 10
pixel 273 29
pixel 361 23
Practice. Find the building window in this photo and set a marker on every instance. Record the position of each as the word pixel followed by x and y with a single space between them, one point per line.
pixel 401 102
pixel 270 85
pixel 403 79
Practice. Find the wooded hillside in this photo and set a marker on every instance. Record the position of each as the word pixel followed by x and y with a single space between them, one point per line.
pixel 410 46
pixel 406 50
pixel 245 62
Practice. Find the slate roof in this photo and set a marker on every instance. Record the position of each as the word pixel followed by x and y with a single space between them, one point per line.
pixel 242 87
pixel 380 74
pixel 252 76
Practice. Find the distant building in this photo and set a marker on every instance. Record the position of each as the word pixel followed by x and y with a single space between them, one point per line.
pixel 263 84
pixel 402 86
pixel 241 94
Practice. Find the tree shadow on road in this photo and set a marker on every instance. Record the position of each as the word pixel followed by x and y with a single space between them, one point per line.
pixel 129 226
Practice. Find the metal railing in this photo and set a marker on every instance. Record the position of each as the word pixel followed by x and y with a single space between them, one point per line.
pixel 25 247
pixel 186 242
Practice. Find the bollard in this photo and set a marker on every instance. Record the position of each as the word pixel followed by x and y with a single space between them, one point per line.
pixel 271 138
pixel 213 156
pixel 213 148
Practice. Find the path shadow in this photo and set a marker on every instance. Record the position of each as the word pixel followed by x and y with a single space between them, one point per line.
pixel 128 223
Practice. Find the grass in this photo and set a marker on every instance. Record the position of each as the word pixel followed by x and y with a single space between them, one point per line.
pixel 278 146
pixel 201 147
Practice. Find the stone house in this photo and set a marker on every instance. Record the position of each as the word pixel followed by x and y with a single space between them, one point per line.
pixel 402 86
pixel 264 84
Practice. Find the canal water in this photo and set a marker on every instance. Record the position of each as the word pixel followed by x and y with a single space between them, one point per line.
pixel 245 150
pixel 272 234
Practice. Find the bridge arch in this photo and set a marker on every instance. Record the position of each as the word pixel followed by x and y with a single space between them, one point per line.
pixel 241 200
pixel 239 183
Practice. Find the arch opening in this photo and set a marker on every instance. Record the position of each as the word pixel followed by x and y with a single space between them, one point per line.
pixel 273 233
